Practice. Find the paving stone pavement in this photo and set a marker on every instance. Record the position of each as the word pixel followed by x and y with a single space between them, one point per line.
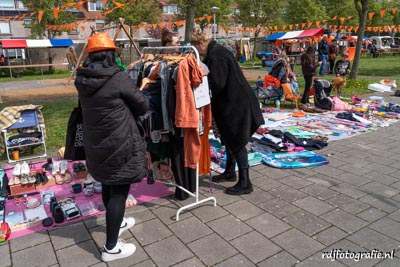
pixel 291 218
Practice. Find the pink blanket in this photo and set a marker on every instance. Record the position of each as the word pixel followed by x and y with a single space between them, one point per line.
pixel 142 192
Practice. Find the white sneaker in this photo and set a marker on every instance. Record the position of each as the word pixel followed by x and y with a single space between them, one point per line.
pixel 56 168
pixel 25 168
pixel 17 170
pixel 63 166
pixel 126 224
pixel 120 251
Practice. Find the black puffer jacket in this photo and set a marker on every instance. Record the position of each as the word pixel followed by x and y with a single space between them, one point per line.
pixel 234 105
pixel 115 150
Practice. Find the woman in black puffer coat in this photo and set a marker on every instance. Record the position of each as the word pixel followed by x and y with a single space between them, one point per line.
pixel 114 147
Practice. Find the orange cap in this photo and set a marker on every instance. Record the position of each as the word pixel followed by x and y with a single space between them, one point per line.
pixel 99 42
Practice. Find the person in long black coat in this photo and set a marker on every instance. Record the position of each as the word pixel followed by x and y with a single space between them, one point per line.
pixel 235 108
pixel 114 147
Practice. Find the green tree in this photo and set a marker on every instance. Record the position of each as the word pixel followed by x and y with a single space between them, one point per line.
pixel 134 12
pixel 304 11
pixel 362 11
pixel 258 13
pixel 39 29
pixel 191 9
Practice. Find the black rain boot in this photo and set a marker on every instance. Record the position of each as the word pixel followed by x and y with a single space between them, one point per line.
pixel 5 188
pixel 243 186
pixel 229 174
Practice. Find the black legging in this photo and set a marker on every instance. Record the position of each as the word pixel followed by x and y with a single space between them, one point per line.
pixel 240 157
pixel 114 199
pixel 306 94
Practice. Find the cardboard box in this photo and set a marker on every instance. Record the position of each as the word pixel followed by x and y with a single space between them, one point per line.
pixel 19 189
pixel 50 182
pixel 80 175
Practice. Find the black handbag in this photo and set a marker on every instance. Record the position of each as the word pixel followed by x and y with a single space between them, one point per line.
pixel 74 145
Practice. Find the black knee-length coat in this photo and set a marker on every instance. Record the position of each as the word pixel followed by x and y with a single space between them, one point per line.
pixel 115 150
pixel 235 107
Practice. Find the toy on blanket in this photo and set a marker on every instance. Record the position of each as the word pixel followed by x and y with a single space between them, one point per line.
pixel 391 83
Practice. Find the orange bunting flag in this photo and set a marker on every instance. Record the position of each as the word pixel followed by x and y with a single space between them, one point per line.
pixel 382 13
pixel 334 18
pixel 105 3
pixel 67 5
pixel 132 28
pixel 56 10
pixel 309 24
pixel 83 27
pixel 356 29
pixel 108 11
pixel 283 27
pixel 341 20
pixel 290 26
pixel 79 4
pixel 40 15
pixel 369 29
pixel 371 15
pixel 118 4
pixel 297 25
pixel 394 10
pixel 303 25
pixel 317 23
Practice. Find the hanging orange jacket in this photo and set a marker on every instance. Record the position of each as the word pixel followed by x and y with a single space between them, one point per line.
pixel 190 75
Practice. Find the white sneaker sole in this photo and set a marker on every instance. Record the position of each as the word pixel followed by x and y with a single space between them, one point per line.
pixel 106 256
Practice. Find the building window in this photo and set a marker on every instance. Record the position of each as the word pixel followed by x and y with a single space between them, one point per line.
pixel 95 6
pixel 5 28
pixel 20 5
pixel 27 23
pixel 7 4
pixel 171 9
pixel 100 25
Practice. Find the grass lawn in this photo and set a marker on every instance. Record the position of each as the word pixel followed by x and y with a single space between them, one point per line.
pixel 56 113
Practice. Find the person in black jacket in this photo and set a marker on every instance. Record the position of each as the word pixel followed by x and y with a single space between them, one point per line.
pixel 235 108
pixel 114 146
pixel 323 51
pixel 308 67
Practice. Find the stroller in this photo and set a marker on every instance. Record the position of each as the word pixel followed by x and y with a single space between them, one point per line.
pixel 322 91
pixel 270 89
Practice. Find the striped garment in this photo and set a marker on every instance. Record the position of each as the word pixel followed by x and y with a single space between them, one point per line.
pixel 10 115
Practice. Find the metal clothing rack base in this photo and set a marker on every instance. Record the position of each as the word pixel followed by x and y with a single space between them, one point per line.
pixel 164 49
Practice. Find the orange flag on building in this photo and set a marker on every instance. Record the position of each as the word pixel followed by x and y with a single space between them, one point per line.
pixel 382 13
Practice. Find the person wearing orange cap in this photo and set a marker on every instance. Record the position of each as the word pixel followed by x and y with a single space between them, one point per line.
pixel 114 147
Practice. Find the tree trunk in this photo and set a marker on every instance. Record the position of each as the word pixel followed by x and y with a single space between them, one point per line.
pixel 189 21
pixel 362 10
pixel 50 36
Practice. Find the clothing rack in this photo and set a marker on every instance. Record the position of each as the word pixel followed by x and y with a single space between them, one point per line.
pixel 181 50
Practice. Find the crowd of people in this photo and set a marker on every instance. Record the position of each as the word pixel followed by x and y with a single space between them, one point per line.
pixel 115 149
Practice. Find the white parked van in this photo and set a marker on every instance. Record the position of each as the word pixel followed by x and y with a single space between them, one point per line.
pixel 382 42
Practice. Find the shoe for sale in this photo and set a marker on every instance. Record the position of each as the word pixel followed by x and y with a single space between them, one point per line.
pixel 56 168
pixel 24 179
pixel 120 251
pixel 63 166
pixel 126 224
pixel 31 179
pixel 25 168
pixel 17 170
